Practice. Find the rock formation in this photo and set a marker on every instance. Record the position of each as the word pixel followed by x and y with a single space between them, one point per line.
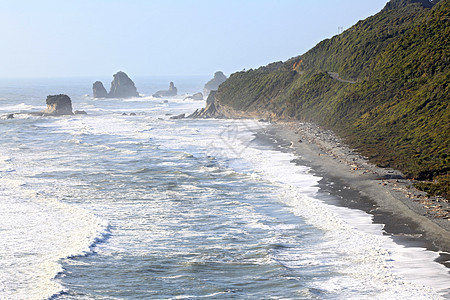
pixel 121 87
pixel 99 90
pixel 172 91
pixel 58 105
pixel 210 111
pixel 181 116
pixel 214 83
pixel 196 96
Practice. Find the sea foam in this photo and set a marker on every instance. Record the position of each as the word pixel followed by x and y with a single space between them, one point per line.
pixel 41 231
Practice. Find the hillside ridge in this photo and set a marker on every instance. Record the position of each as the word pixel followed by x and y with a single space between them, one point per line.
pixel 392 102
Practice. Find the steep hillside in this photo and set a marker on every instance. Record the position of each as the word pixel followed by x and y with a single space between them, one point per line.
pixel 383 85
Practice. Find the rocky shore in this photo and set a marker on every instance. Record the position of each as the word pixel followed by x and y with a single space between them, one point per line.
pixel 392 193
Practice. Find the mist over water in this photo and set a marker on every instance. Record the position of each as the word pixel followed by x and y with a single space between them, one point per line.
pixel 113 206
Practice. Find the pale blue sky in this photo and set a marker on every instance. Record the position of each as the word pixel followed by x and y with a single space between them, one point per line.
pixel 53 38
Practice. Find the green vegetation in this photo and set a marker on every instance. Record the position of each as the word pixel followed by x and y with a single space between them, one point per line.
pixel 397 113
pixel 440 186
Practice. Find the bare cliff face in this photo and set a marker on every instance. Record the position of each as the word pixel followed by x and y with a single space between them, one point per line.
pixel 58 105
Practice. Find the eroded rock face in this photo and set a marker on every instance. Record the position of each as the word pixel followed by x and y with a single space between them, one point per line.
pixel 122 86
pixel 214 83
pixel 99 90
pixel 172 91
pixel 58 105
pixel 210 111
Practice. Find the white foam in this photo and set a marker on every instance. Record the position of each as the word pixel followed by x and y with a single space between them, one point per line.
pixel 40 232
pixel 17 107
pixel 371 263
pixel 44 230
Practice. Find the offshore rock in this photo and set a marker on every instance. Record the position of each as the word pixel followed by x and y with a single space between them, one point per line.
pixel 214 83
pixel 122 86
pixel 80 112
pixel 182 116
pixel 196 96
pixel 58 105
pixel 172 91
pixel 99 90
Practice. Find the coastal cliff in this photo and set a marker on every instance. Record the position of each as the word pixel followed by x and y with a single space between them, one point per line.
pixel 382 85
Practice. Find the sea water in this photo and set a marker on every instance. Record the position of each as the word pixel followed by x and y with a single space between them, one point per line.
pixel 114 206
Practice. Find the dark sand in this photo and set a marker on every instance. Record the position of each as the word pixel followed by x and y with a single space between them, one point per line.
pixel 409 215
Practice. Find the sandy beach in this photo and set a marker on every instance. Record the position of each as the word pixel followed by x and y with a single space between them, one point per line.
pixel 408 214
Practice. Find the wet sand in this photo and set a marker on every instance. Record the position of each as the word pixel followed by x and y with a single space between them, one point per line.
pixel 409 215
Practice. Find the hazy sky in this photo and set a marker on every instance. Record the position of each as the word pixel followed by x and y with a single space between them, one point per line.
pixel 52 38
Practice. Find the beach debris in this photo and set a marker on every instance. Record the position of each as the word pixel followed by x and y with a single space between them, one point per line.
pixel 329 143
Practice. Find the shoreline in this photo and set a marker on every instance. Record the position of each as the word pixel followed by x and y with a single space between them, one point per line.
pixel 409 215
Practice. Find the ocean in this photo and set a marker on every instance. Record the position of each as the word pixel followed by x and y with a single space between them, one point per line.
pixel 110 205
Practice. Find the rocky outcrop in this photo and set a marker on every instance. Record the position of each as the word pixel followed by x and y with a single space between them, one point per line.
pixel 210 111
pixel 172 91
pixel 181 116
pixel 99 90
pixel 214 83
pixel 196 96
pixel 121 87
pixel 58 105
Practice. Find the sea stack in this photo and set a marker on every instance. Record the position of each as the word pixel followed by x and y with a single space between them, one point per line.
pixel 172 91
pixel 121 87
pixel 99 90
pixel 58 105
pixel 214 83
